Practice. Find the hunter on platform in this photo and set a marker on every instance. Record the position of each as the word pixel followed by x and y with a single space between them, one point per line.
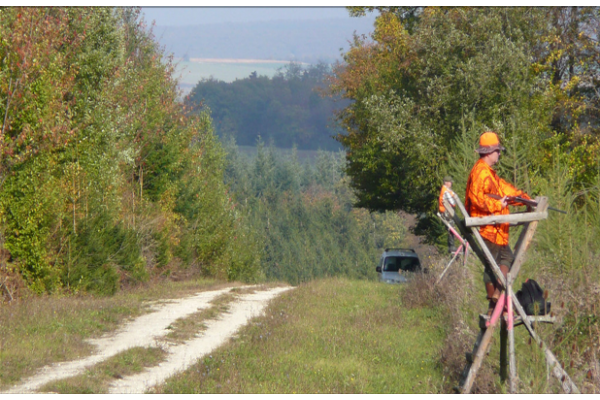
pixel 484 181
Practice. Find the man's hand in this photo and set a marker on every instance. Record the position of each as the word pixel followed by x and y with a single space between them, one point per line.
pixel 504 201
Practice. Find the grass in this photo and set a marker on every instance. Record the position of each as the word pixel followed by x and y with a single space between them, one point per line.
pixel 97 378
pixel 327 336
pixel 39 331
pixel 186 328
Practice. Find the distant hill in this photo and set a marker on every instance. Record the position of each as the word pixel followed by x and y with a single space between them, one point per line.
pixel 286 108
pixel 305 41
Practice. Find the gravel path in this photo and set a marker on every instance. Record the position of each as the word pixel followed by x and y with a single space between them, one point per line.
pixel 148 329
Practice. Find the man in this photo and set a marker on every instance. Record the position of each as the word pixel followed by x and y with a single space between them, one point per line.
pixel 483 180
pixel 446 206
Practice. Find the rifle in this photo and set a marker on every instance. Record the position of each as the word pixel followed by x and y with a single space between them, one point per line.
pixel 518 199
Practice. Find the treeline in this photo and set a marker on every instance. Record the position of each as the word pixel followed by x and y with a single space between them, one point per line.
pixel 104 179
pixel 287 109
pixel 303 218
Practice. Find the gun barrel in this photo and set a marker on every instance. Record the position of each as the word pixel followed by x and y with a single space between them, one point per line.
pixel 518 199
pixel 557 210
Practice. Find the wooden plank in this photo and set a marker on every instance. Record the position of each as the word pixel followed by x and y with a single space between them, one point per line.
pixel 468 237
pixel 450 228
pixel 510 218
pixel 469 356
pixel 482 252
pixel 512 361
pixel 559 373
pixel 447 266
pixel 525 240
pixel 477 359
pixel 503 351
pixel 547 319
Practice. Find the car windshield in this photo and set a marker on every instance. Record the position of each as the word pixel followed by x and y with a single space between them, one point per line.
pixel 396 263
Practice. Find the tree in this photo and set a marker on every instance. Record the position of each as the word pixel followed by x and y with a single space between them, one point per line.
pixel 287 108
pixel 414 85
pixel 105 179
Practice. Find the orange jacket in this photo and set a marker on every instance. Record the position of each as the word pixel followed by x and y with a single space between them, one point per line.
pixel 483 179
pixel 441 199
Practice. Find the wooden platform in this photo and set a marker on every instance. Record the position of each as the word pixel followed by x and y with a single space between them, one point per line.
pixel 508 370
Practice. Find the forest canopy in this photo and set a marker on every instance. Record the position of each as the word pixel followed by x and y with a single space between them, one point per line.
pixel 288 109
pixel 104 180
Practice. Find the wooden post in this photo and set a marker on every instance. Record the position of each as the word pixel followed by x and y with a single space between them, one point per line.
pixel 466 234
pixel 525 240
pixel 512 362
pixel 501 219
pixel 503 351
pixel 447 266
pixel 478 358
pixel 464 246
pixel 483 248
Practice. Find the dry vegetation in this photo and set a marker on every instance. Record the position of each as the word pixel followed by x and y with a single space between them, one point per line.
pixel 574 338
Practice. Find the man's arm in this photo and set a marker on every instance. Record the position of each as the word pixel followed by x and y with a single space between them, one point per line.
pixel 509 190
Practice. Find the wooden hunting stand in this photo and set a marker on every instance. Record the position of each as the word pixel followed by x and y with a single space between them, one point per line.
pixel 462 249
pixel 469 229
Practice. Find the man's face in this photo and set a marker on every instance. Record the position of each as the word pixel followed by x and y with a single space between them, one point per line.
pixel 448 184
pixel 495 157
pixel 492 158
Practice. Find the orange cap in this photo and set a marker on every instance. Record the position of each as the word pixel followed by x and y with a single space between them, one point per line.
pixel 489 142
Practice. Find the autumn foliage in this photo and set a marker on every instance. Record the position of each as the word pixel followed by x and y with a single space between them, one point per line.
pixel 104 179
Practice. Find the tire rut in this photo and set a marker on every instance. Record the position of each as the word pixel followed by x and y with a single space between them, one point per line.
pixel 148 331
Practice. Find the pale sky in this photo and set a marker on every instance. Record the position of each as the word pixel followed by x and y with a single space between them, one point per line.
pixel 180 16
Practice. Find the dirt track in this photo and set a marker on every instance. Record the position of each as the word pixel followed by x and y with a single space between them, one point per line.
pixel 148 331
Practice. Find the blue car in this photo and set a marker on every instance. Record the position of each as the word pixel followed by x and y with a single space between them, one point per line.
pixel 398 265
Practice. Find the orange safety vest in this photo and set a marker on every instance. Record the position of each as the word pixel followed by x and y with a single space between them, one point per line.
pixel 441 199
pixel 482 180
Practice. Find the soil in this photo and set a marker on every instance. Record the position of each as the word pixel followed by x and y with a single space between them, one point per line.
pixel 149 329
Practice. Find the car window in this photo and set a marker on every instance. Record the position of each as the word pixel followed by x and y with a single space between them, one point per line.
pixel 391 264
pixel 410 264
pixel 403 263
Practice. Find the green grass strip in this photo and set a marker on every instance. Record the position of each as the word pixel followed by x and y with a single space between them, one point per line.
pixel 97 378
pixel 327 336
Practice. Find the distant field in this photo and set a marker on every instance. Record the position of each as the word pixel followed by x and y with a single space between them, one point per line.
pixel 228 70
